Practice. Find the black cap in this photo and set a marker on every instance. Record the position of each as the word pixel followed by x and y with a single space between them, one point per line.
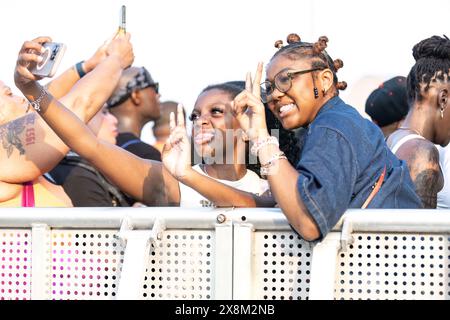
pixel 388 103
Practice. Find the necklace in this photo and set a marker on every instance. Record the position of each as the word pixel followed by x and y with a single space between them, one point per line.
pixel 411 129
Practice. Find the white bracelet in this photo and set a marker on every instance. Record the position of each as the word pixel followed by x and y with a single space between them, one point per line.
pixel 258 144
pixel 265 168
pixel 36 104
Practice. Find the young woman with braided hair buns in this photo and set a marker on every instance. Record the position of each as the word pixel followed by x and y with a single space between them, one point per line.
pixel 344 161
pixel 428 120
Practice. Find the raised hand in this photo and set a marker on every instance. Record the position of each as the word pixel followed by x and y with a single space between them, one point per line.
pixel 248 108
pixel 121 47
pixel 176 154
pixel 97 57
pixel 29 54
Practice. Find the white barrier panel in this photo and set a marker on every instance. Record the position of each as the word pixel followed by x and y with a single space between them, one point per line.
pixel 174 253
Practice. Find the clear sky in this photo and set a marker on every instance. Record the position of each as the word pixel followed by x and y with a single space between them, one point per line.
pixel 187 45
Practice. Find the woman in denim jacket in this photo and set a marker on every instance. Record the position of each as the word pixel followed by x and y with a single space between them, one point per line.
pixel 344 162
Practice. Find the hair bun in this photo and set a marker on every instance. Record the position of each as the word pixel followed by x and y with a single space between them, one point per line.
pixel 278 44
pixel 341 85
pixel 293 38
pixel 434 47
pixel 338 64
pixel 320 45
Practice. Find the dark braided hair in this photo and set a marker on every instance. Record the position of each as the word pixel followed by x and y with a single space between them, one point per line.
pixel 432 57
pixel 287 138
pixel 296 49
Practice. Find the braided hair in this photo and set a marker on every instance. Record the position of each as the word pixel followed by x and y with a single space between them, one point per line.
pixel 432 57
pixel 296 49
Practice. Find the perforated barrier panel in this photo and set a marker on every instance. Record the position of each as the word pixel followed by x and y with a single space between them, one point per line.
pixel 181 266
pixel 15 264
pixel 394 266
pixel 282 263
pixel 85 264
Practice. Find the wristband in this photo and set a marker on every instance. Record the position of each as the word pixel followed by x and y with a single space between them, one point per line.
pixel 79 68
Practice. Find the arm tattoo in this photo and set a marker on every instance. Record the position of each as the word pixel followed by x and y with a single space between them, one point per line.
pixel 427 187
pixel 11 131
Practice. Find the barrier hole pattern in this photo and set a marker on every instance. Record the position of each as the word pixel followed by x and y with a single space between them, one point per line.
pixel 181 266
pixel 15 264
pixel 394 266
pixel 85 264
pixel 283 266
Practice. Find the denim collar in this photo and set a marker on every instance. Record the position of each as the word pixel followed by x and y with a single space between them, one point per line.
pixel 329 104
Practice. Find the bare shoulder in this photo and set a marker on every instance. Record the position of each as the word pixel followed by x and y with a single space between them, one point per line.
pixel 422 158
pixel 419 152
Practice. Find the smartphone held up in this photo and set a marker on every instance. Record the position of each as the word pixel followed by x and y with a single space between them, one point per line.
pixel 51 58
pixel 123 21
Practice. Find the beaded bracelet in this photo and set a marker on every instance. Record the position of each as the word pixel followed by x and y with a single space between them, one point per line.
pixel 258 144
pixel 265 168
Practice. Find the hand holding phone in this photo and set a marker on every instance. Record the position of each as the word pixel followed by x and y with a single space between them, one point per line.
pixel 51 58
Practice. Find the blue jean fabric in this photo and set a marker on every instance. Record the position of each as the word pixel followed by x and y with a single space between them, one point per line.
pixel 342 157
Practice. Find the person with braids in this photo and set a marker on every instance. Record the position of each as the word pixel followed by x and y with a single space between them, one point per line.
pixel 428 120
pixel 222 181
pixel 344 161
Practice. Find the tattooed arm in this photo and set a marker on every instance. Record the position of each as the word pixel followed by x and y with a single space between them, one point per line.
pixel 422 158
pixel 29 147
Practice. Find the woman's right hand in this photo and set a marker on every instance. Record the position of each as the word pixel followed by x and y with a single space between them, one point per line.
pixel 121 47
pixel 248 108
pixel 28 55
pixel 176 153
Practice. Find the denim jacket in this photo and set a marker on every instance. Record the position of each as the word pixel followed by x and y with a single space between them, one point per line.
pixel 342 157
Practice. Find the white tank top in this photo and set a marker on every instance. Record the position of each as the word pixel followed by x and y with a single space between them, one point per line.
pixel 400 142
pixel 251 182
pixel 443 196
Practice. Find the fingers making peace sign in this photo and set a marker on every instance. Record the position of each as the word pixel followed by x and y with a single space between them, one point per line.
pixel 176 154
pixel 248 108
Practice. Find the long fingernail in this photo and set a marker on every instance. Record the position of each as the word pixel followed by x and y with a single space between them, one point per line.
pixel 39 58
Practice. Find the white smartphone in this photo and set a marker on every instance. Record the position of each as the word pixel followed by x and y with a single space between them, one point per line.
pixel 51 58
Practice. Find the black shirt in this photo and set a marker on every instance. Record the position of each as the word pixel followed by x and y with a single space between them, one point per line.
pixel 133 144
pixel 85 185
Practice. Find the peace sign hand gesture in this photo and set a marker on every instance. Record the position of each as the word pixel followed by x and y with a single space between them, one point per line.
pixel 248 108
pixel 176 153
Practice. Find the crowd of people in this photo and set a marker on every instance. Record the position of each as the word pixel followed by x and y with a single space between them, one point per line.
pixel 284 138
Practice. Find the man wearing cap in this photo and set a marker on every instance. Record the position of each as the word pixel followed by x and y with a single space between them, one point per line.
pixel 134 102
pixel 388 105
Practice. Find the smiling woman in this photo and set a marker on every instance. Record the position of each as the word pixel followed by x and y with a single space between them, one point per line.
pixel 344 162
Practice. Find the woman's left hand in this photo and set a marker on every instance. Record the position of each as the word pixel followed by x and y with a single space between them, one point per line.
pixel 176 154
pixel 248 108
pixel 28 56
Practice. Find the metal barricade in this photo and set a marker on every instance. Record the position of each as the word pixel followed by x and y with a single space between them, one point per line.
pixel 177 253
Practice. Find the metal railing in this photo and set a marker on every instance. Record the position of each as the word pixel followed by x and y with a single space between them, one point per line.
pixel 177 253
